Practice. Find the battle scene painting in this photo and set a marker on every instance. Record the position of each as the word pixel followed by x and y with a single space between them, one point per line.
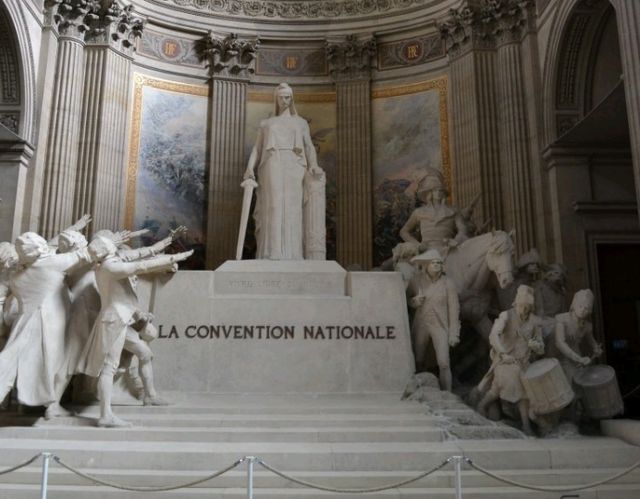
pixel 319 109
pixel 409 133
pixel 166 184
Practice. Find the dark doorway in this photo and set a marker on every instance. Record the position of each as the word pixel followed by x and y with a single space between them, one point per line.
pixel 619 273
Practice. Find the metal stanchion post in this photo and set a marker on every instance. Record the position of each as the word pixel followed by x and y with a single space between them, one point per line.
pixel 457 464
pixel 45 474
pixel 250 461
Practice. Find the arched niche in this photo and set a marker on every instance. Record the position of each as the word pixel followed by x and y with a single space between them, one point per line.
pixel 17 98
pixel 590 172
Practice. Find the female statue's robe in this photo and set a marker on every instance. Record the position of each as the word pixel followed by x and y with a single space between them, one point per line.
pixel 286 153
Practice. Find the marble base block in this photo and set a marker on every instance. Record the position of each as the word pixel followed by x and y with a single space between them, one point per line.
pixel 316 329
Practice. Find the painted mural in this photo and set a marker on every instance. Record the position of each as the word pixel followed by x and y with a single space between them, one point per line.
pixel 409 132
pixel 166 180
pixel 319 109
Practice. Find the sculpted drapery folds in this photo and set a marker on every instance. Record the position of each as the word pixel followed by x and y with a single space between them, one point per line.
pixel 285 162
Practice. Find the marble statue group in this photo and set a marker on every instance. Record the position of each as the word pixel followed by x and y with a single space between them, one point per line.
pixel 70 307
pixel 539 349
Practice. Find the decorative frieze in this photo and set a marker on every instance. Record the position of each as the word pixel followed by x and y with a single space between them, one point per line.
pixel 169 48
pixel 229 56
pixel 410 52
pixel 298 9
pixel 351 59
pixel 291 62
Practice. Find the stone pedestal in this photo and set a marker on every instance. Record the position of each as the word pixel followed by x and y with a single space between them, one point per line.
pixel 280 327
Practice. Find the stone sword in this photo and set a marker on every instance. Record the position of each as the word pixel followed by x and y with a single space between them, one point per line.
pixel 248 185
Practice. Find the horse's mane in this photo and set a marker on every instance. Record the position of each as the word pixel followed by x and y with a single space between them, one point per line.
pixel 501 243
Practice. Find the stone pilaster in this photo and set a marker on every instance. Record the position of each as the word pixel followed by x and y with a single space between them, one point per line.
pixel 102 156
pixel 231 63
pixel 70 17
pixel 350 63
pixel 476 148
pixel 510 25
pixel 628 17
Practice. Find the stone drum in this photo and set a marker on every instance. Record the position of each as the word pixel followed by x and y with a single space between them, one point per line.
pixel 547 386
pixel 598 387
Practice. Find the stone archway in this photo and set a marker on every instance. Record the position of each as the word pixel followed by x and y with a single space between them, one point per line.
pixel 590 165
pixel 17 97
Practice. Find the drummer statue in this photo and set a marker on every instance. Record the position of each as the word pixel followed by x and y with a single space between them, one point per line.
pixel 515 336
pixel 437 316
pixel 574 344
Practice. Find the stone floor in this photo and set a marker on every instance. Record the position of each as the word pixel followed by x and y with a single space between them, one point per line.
pixel 343 441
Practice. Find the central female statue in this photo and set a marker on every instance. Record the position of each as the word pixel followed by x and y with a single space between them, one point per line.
pixel 285 159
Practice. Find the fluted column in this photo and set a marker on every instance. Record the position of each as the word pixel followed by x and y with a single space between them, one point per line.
pixel 476 147
pixel 56 212
pixel 231 62
pixel 513 126
pixel 628 17
pixel 102 155
pixel 350 63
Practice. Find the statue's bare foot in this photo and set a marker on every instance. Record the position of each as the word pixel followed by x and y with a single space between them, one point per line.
pixel 55 410
pixel 155 401
pixel 113 422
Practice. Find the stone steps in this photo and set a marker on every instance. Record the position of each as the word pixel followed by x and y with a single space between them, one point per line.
pixel 368 441
pixel 327 434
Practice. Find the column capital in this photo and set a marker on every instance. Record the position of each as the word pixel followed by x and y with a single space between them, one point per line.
pixel 230 56
pixel 351 58
pixel 511 19
pixel 485 24
pixel 116 26
pixel 71 17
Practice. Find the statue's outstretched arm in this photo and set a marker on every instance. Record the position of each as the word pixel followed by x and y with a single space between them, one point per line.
pixel 79 226
pixel 121 269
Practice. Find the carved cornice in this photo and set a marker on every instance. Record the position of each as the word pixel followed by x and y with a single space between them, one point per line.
pixel 228 57
pixel 351 59
pixel 482 26
pixel 115 25
pixel 295 9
